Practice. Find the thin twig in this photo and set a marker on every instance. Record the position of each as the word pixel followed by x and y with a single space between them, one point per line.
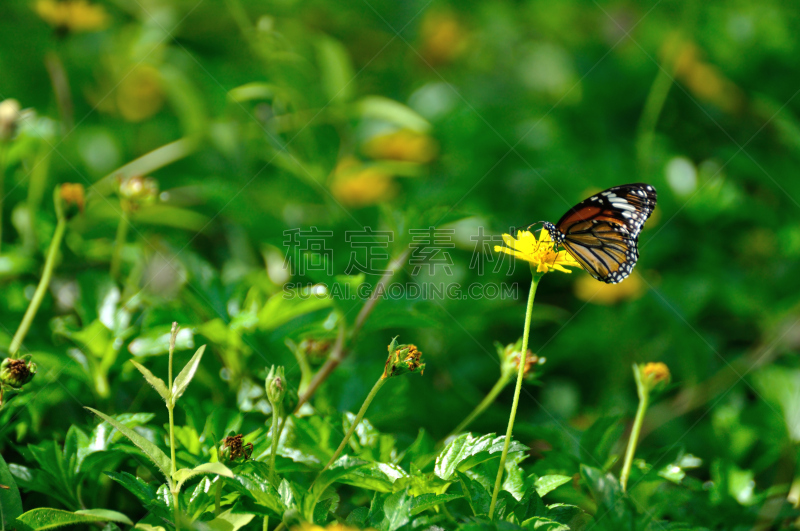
pixel 341 349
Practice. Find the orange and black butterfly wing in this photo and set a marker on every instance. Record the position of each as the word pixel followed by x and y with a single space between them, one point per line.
pixel 602 232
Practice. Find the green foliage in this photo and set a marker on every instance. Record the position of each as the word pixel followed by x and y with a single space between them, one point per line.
pixel 206 136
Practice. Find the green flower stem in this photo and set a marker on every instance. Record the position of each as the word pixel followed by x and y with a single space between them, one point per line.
pixel 359 417
pixel 119 242
pixel 644 401
pixel 171 408
pixel 523 358
pixel 36 301
pixel 276 414
pixel 218 497
pixel 2 186
pixel 487 401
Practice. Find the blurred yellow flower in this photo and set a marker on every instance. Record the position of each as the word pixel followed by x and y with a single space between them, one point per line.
pixel 704 80
pixel 354 184
pixel 443 37
pixel 589 290
pixel 540 253
pixel 72 15
pixel 656 372
pixel 140 94
pixel 402 145
pixel 306 526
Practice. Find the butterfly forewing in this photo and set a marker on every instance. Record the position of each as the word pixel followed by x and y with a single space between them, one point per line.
pixel 602 232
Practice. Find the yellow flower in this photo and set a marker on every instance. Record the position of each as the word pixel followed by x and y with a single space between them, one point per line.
pixel 402 145
pixel 540 253
pixel 589 290
pixel 443 37
pixel 356 185
pixel 72 15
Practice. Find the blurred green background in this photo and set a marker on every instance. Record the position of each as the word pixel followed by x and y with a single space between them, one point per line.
pixel 259 117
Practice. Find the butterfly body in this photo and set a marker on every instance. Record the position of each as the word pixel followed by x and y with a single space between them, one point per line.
pixel 602 231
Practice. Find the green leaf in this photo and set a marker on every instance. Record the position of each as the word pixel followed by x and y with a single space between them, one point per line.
pixel 336 70
pixel 429 500
pixel 184 474
pixel 143 492
pixel 570 515
pixel 390 511
pixel 375 476
pixel 155 341
pixel 598 442
pixel 285 306
pixel 380 108
pixel 544 524
pixel 478 497
pixel 157 383
pixel 227 521
pixel 342 467
pixel 10 500
pixel 252 480
pixel 466 451
pixel 607 493
pixel 46 518
pixel 153 452
pixel 186 374
pixel 546 484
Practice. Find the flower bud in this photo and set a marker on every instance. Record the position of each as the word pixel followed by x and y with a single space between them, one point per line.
pixel 403 359
pixel 510 357
pixel 70 200
pixel 316 350
pixel 276 385
pixel 16 372
pixel 137 191
pixel 234 448
pixel 9 119
pixel 651 376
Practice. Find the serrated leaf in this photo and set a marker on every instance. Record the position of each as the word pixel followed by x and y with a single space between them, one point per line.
pixel 390 511
pixel 186 374
pixel 477 495
pixel 157 383
pixel 546 484
pixel 375 476
pixel 10 500
pixel 153 452
pixel 251 479
pixel 466 451
pixel 184 474
pixel 429 500
pixel 46 518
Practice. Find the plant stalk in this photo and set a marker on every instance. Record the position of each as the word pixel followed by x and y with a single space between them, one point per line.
pixel 276 410
pixel 340 349
pixel 487 401
pixel 119 242
pixel 36 301
pixel 218 497
pixel 644 400
pixel 171 408
pixel 523 358
pixel 356 422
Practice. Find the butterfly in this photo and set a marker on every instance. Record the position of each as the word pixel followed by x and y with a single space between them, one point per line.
pixel 602 232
